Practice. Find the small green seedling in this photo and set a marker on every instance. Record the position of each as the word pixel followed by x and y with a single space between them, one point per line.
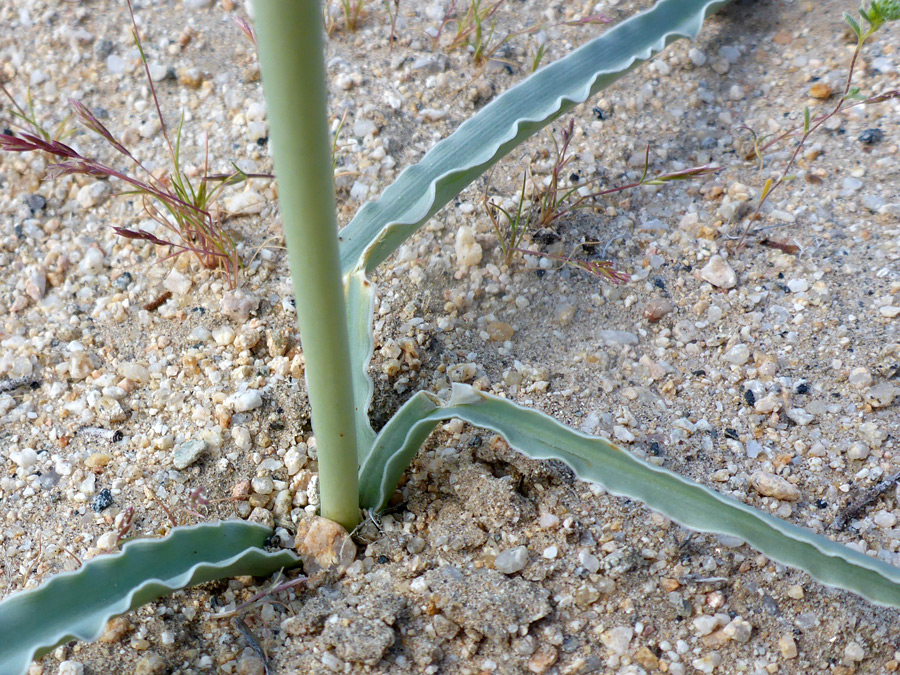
pixel 28 120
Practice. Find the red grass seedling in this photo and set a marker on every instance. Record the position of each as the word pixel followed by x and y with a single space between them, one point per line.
pixel 171 199
pixel 554 202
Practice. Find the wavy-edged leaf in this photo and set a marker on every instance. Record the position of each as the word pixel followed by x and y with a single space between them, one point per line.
pixel 76 605
pixel 360 306
pixel 538 436
pixel 394 448
pixel 422 189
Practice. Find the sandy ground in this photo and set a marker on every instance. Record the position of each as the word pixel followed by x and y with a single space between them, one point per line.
pixel 790 371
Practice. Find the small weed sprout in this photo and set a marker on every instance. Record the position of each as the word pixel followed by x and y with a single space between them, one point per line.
pixel 392 15
pixel 538 56
pixel 473 31
pixel 878 13
pixel 29 117
pixel 353 12
pixel 555 202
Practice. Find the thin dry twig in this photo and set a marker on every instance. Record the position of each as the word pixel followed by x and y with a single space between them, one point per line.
pixel 869 496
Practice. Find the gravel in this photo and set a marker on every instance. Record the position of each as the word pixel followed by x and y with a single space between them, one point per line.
pixel 767 373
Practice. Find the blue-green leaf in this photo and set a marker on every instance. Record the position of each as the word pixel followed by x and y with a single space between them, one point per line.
pixel 76 605
pixel 597 460
pixel 360 296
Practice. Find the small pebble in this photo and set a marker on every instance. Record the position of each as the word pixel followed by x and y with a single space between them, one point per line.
pixel 564 313
pixel 262 516
pixel 851 184
pixel 881 395
pixel 223 336
pixel 434 114
pixel 115 64
pixel 588 561
pixel 245 203
pixel 871 136
pixel 730 54
pixel 656 309
pixel 800 416
pixel 102 500
pixel 115 630
pixel 323 544
pixel 71 668
pixel 157 71
pixel 187 453
pixel 499 331
pixel 858 451
pixel 707 663
pixel 36 284
pixel 738 355
pixel 854 653
pixel 150 663
pixel 617 639
pixel 468 251
pixel 719 273
pixel 238 305
pixel 884 519
pixel 820 90
pixel 246 400
pixel 798 285
pixel 617 337
pixel 25 459
pixel 697 57
pixel 705 624
pixel 860 378
pixel 770 485
pixel 787 647
pixel 512 560
pixel 540 662
pixel 177 283
pixel 738 630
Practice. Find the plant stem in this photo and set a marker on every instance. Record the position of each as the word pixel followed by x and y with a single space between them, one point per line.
pixel 293 72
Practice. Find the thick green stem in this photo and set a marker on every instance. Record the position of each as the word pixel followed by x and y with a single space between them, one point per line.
pixel 293 73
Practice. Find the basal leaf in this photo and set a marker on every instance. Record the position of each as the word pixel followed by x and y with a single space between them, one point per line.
pixel 76 605
pixel 598 461
pixel 360 304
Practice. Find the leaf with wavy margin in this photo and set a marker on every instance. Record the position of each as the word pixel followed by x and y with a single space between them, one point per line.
pixel 596 460
pixel 359 294
pixel 76 605
pixel 424 188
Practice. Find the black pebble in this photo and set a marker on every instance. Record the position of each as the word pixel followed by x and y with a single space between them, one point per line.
pixel 123 281
pixel 750 397
pixel 871 136
pixel 803 388
pixel 732 434
pixel 102 500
